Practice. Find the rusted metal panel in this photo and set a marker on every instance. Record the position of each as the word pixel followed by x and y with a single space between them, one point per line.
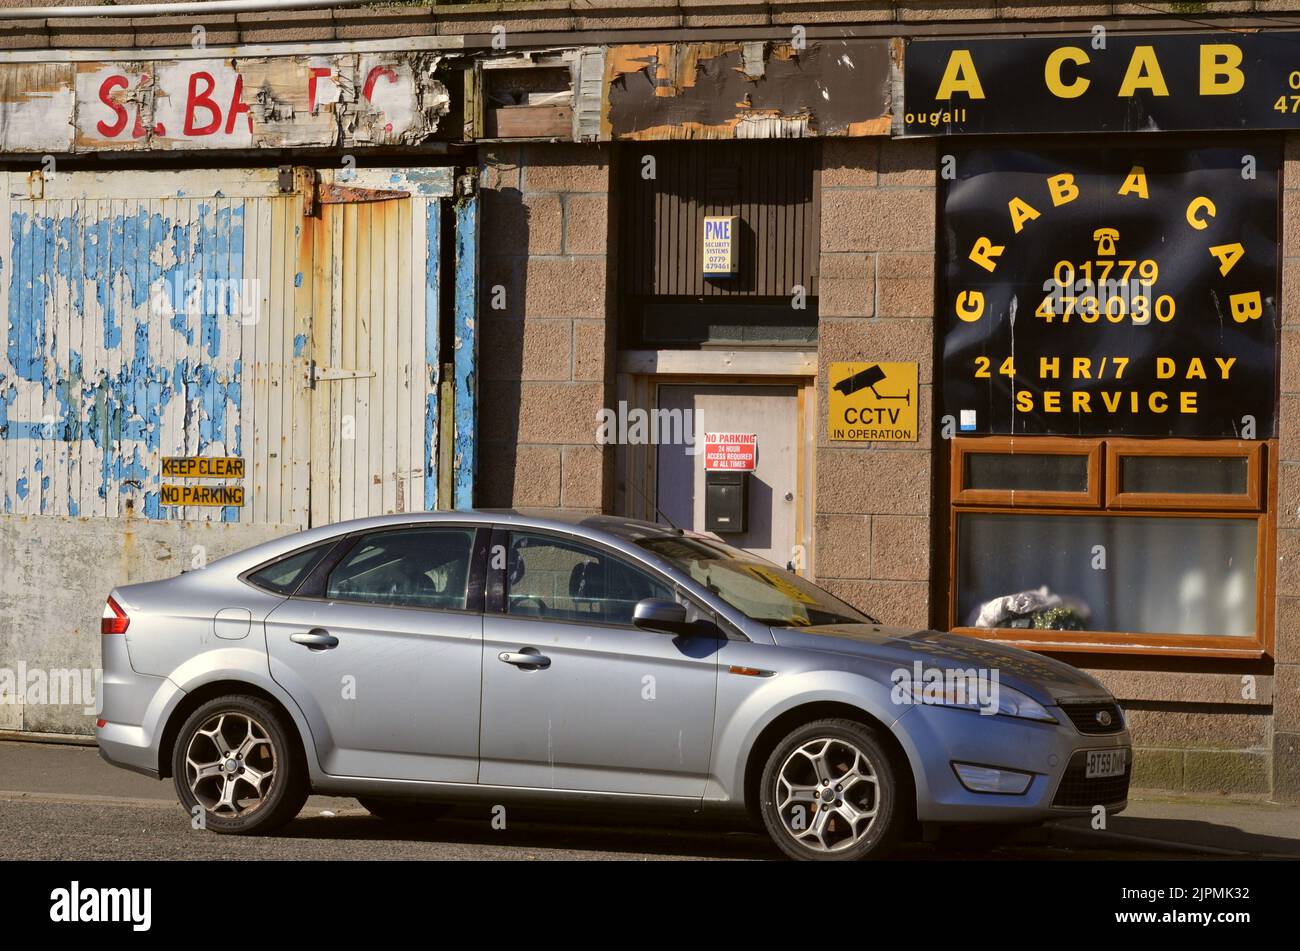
pixel 747 90
pixel 340 100
pixel 328 194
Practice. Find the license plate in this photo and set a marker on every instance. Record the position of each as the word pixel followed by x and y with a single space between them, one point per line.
pixel 1103 763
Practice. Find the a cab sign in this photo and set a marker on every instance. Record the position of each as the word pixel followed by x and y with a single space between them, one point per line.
pixel 219 495
pixel 202 467
pixel 873 402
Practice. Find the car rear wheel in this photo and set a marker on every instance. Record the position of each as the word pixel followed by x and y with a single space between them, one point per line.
pixel 404 810
pixel 829 792
pixel 237 765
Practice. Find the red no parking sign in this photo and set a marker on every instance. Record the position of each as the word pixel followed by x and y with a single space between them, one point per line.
pixel 734 452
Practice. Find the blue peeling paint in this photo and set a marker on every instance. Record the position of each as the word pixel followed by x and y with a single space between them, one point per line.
pixel 466 354
pixel 125 260
pixel 434 182
pixel 432 282
pixel 299 344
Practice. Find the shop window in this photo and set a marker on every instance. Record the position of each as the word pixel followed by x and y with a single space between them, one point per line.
pixel 1116 544
pixel 1110 337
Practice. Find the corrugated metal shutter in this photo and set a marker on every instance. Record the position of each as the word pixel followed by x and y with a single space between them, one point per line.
pixel 771 186
pixel 153 314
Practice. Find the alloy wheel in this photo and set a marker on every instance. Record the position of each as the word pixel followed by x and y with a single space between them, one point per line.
pixel 827 794
pixel 230 764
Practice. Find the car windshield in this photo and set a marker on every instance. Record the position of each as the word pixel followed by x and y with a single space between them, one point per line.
pixel 757 588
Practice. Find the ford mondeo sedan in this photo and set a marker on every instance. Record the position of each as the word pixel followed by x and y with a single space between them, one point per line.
pixel 418 661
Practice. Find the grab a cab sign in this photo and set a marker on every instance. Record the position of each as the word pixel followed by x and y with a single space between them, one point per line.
pixel 873 402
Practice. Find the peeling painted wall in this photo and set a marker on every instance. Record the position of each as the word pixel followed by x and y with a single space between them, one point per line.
pixel 345 99
pixel 746 90
pixel 105 357
pixel 153 314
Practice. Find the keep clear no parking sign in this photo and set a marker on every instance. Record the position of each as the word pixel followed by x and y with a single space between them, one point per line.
pixel 873 402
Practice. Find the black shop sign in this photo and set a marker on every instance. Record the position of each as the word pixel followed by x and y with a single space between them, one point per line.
pixel 1111 292
pixel 1102 82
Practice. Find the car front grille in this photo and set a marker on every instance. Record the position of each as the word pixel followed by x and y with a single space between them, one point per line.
pixel 1084 716
pixel 1077 792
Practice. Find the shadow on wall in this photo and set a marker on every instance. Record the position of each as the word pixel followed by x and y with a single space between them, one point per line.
pixel 505 232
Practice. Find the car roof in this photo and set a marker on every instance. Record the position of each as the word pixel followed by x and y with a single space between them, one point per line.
pixel 629 529
pixel 622 532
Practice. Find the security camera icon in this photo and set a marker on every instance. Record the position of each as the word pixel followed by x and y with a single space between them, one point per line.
pixel 867 380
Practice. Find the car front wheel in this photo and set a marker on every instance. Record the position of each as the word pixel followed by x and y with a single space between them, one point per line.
pixel 236 765
pixel 829 792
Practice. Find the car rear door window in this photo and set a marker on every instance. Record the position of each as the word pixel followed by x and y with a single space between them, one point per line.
pixel 284 576
pixel 559 580
pixel 408 567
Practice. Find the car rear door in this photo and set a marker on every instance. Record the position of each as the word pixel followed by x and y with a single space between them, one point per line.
pixel 382 650
pixel 574 696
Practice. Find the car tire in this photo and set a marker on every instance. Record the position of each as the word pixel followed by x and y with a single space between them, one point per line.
pixel 863 815
pixel 404 810
pixel 237 763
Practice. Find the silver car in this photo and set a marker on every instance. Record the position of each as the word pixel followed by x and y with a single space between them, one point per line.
pixel 419 661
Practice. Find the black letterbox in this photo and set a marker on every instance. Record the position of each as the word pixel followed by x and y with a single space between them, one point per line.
pixel 726 497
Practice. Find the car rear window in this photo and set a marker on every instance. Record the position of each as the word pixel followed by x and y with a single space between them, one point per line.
pixel 284 576
pixel 409 567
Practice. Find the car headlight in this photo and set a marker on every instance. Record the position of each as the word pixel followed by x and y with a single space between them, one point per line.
pixel 1013 703
pixel 999 699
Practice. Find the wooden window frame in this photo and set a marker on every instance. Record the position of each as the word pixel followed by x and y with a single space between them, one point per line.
pixel 1258 504
pixel 1252 452
pixel 1037 445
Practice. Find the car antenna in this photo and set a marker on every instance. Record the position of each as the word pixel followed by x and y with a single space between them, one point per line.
pixel 654 505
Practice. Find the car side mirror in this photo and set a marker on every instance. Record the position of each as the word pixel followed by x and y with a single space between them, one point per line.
pixel 656 614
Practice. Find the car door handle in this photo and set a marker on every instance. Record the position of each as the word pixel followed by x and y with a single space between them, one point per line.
pixel 526 657
pixel 318 639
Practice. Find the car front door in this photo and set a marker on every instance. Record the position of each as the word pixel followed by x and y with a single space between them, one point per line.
pixel 575 696
pixel 382 650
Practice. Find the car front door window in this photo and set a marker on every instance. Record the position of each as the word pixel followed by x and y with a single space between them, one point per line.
pixel 558 580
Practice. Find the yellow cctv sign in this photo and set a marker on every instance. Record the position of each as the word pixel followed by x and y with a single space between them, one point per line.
pixel 873 402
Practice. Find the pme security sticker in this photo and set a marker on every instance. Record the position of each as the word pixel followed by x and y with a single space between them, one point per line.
pixel 873 402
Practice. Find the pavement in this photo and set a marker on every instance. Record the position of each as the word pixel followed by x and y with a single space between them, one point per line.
pixel 1219 826
pixel 61 801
